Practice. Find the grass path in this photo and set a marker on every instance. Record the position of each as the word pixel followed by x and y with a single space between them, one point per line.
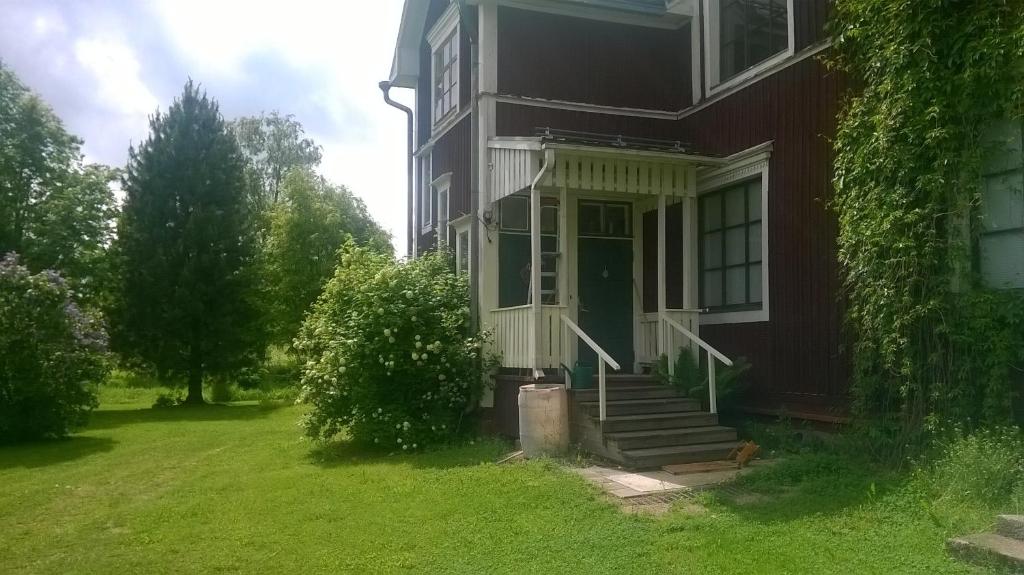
pixel 236 489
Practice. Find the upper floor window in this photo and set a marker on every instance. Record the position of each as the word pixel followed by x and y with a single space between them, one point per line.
pixel 1001 237
pixel 444 45
pixel 744 35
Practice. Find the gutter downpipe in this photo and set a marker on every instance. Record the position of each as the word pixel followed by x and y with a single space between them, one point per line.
pixel 474 196
pixel 536 264
pixel 385 87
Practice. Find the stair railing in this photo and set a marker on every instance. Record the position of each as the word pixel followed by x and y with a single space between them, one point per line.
pixel 712 355
pixel 602 359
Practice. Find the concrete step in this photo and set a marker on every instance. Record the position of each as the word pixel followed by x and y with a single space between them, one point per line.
pixel 642 406
pixel 633 392
pixel 626 440
pixel 1011 526
pixel 617 423
pixel 652 457
pixel 989 549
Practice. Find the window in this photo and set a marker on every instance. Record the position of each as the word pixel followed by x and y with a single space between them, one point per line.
pixel 605 219
pixel 1001 235
pixel 514 251
pixel 426 196
pixel 441 186
pixel 444 45
pixel 743 34
pixel 462 252
pixel 730 251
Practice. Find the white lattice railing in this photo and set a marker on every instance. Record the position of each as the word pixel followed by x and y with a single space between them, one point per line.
pixel 513 336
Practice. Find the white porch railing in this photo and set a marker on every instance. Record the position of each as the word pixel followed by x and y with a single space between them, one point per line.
pixel 712 355
pixel 513 336
pixel 647 341
pixel 602 359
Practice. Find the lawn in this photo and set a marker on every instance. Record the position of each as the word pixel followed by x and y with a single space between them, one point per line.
pixel 227 489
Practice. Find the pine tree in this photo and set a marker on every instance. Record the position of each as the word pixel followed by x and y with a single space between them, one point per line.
pixel 185 246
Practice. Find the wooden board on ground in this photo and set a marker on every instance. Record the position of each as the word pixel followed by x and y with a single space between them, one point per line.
pixel 702 467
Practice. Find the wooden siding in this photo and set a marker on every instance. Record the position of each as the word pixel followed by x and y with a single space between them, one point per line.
pixel 797 356
pixel 578 60
pixel 521 120
pixel 453 153
pixel 673 264
pixel 809 21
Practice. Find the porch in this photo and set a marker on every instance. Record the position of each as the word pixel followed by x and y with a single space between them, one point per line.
pixel 576 267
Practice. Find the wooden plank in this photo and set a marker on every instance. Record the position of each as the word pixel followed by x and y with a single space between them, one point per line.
pixel 702 467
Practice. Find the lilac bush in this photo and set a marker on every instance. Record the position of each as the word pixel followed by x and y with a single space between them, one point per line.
pixel 52 356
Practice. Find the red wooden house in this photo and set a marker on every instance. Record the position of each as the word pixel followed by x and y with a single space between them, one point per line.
pixel 623 178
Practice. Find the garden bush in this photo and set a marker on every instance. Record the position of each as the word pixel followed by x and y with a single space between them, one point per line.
pixel 387 353
pixel 52 356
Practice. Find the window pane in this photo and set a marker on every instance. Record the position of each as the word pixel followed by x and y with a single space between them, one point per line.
pixel 515 214
pixel 712 289
pixel 616 220
pixel 549 220
pixel 712 212
pixel 713 250
pixel 1002 260
pixel 590 219
pixel 735 246
pixel 736 286
pixel 735 208
pixel 463 264
pixel 1002 201
pixel 755 283
pixel 750 32
pixel 754 243
pixel 754 201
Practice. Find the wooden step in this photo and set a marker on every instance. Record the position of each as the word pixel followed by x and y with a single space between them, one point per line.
pixel 616 423
pixel 660 456
pixel 633 392
pixel 1011 526
pixel 626 440
pixel 989 549
pixel 642 406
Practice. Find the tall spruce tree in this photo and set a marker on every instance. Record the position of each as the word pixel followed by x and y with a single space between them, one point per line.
pixel 186 246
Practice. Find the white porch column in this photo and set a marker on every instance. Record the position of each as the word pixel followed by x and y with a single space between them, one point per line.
pixel 691 271
pixel 663 336
pixel 535 278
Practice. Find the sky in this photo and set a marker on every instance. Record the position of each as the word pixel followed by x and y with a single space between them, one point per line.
pixel 106 65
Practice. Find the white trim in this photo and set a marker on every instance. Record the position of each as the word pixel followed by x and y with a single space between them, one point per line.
pixel 667 20
pixel 584 107
pixel 744 165
pixel 446 26
pixel 426 197
pixel 711 49
pixel 442 185
pixel 461 226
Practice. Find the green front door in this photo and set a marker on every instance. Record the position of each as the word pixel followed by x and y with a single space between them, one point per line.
pixel 605 288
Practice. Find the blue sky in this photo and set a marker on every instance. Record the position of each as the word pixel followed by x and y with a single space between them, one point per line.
pixel 106 65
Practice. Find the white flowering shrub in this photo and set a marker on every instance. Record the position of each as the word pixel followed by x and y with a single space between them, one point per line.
pixel 387 354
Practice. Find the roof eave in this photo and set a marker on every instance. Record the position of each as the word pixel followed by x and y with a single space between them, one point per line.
pixel 406 62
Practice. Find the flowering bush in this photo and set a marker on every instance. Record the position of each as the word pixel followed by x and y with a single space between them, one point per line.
pixel 387 353
pixel 51 356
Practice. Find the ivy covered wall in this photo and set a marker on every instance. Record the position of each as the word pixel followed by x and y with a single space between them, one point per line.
pixel 932 344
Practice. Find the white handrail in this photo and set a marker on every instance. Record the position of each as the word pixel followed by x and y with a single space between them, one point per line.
pixel 602 359
pixel 712 355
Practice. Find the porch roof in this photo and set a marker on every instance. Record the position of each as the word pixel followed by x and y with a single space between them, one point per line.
pixel 594 162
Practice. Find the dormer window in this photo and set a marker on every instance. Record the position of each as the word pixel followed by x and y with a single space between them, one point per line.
pixel 744 37
pixel 444 45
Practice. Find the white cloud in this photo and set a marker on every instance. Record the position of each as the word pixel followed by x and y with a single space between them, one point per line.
pixel 117 74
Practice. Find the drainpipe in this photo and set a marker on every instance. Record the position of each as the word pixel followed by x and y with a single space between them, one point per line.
pixel 385 87
pixel 474 196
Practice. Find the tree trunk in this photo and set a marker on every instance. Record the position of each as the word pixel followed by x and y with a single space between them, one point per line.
pixel 195 379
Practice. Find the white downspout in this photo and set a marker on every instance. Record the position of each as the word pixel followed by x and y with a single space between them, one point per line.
pixel 535 266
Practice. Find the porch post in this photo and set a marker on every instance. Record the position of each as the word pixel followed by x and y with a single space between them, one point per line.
pixel 562 268
pixel 535 269
pixel 663 339
pixel 691 271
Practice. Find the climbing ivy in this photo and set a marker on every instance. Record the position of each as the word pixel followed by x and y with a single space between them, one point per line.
pixel 929 342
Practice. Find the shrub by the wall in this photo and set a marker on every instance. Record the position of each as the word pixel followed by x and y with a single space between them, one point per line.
pixel 52 356
pixel 388 355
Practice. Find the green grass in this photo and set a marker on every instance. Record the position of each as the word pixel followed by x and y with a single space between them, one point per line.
pixel 227 489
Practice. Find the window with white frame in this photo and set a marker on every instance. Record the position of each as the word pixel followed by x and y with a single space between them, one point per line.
pixel 743 36
pixel 444 46
pixel 730 247
pixel 1001 234
pixel 462 243
pixel 426 196
pixel 441 186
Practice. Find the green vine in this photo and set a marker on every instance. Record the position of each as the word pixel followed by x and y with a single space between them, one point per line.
pixel 929 342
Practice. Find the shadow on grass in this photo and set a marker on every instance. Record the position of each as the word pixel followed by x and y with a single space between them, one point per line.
pixel 44 453
pixel 335 454
pixel 114 418
pixel 808 484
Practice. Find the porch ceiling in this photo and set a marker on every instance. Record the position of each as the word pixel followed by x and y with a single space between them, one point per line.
pixel 517 162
